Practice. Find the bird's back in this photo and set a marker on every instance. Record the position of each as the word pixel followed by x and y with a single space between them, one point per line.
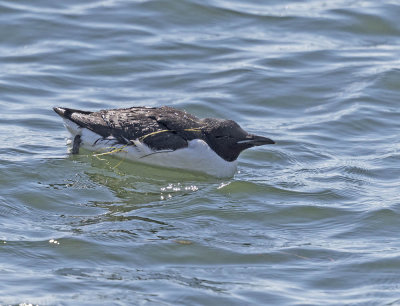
pixel 159 128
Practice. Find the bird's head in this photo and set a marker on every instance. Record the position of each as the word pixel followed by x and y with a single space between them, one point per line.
pixel 228 139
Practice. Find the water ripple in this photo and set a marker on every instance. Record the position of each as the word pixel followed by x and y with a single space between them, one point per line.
pixel 310 220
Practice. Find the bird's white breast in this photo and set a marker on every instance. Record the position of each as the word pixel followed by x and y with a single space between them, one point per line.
pixel 197 156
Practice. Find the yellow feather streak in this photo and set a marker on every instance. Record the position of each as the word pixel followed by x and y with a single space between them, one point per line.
pixel 121 149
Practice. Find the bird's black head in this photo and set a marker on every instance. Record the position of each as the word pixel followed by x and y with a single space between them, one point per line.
pixel 228 139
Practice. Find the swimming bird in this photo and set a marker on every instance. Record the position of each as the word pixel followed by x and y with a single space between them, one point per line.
pixel 162 136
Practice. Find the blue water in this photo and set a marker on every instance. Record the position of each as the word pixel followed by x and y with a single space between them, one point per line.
pixel 311 220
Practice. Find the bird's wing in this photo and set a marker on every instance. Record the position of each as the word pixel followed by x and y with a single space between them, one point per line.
pixel 156 127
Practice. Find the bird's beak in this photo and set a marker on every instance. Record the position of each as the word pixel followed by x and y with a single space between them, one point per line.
pixel 254 140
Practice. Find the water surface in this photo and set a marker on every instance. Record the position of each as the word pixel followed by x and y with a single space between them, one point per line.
pixel 312 220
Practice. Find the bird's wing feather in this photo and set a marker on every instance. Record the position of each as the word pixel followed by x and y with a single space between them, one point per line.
pixel 156 127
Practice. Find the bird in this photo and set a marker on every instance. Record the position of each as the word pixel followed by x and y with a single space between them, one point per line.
pixel 161 136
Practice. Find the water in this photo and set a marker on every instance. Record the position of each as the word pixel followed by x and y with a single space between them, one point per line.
pixel 311 220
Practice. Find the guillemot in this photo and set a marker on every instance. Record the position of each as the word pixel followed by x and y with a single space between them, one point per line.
pixel 162 136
